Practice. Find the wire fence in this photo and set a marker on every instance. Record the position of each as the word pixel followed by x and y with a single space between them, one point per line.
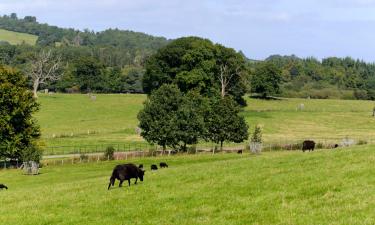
pixel 282 144
pixel 62 155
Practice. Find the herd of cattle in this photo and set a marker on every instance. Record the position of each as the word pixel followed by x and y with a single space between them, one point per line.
pixel 129 171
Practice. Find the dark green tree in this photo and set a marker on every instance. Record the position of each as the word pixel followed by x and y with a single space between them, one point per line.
pixel 19 131
pixel 223 122
pixel 196 63
pixel 88 71
pixel 157 118
pixel 266 79
pixel 190 119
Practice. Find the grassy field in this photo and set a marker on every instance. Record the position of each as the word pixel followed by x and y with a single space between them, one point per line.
pixel 15 38
pixel 321 187
pixel 76 120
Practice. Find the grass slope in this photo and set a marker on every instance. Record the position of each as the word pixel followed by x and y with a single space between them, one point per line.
pixel 16 38
pixel 321 187
pixel 77 120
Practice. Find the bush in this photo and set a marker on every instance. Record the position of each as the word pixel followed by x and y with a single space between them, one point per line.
pixel 33 153
pixel 257 135
pixel 109 153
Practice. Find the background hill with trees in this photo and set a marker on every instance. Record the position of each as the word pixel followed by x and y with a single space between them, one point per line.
pixel 118 58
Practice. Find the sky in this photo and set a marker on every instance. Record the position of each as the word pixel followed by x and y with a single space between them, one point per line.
pixel 259 28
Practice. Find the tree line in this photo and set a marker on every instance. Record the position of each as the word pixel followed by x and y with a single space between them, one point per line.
pixel 117 61
pixel 332 77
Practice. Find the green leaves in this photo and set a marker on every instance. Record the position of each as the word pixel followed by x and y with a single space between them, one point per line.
pixel 18 129
pixel 266 79
pixel 171 118
pixel 194 63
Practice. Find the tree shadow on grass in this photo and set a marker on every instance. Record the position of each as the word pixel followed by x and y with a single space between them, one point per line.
pixel 266 98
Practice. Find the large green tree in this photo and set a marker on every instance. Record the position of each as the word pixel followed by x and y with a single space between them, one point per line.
pixel 223 122
pixel 171 118
pixel 88 71
pixel 266 79
pixel 19 131
pixel 196 63
pixel 157 118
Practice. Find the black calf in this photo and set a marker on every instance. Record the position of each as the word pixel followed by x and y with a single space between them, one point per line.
pixel 154 167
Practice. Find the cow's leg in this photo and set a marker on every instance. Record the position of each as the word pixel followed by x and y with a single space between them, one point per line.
pixel 136 179
pixel 120 185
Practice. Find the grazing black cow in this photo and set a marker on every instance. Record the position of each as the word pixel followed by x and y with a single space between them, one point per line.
pixel 126 172
pixel 2 186
pixel 163 165
pixel 239 152
pixel 336 146
pixel 154 167
pixel 308 145
pixel 140 166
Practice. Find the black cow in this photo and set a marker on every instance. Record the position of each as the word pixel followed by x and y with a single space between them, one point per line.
pixel 154 167
pixel 2 186
pixel 239 152
pixel 163 165
pixel 336 146
pixel 308 145
pixel 126 172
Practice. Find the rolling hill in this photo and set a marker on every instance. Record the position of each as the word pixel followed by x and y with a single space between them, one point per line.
pixel 16 38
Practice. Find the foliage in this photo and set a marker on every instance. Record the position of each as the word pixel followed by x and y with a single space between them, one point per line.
pixel 257 135
pixel 223 123
pixel 157 118
pixel 190 119
pixel 266 79
pixel 18 129
pixel 195 63
pixel 305 74
pixel 109 153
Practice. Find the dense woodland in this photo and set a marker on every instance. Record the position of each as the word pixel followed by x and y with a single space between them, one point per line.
pixel 114 61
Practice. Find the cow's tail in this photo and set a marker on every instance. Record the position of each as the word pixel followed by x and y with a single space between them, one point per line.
pixel 112 179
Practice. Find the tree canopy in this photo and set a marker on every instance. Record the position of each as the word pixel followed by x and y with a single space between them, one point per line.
pixel 19 131
pixel 196 63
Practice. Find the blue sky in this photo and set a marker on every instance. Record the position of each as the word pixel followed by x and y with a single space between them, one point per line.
pixel 259 28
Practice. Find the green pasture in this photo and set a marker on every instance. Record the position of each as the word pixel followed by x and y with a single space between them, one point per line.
pixel 76 120
pixel 290 187
pixel 16 38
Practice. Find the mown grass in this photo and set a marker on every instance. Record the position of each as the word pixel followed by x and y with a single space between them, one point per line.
pixel 321 187
pixel 16 38
pixel 77 120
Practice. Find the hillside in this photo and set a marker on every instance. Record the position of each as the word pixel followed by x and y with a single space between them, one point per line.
pixel 321 187
pixel 16 38
pixel 77 120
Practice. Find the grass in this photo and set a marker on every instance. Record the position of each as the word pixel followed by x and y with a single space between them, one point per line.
pixel 16 38
pixel 321 187
pixel 76 120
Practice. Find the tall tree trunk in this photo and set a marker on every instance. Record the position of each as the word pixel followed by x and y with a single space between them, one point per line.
pixel 35 88
pixel 222 89
pixel 221 145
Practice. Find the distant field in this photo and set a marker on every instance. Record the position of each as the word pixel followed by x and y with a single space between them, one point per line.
pixel 77 120
pixel 15 38
pixel 321 187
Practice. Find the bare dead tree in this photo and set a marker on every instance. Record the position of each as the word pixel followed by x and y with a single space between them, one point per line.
pixel 44 68
pixel 225 77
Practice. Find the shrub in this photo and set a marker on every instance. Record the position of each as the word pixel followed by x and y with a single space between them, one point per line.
pixel 109 153
pixel 257 135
